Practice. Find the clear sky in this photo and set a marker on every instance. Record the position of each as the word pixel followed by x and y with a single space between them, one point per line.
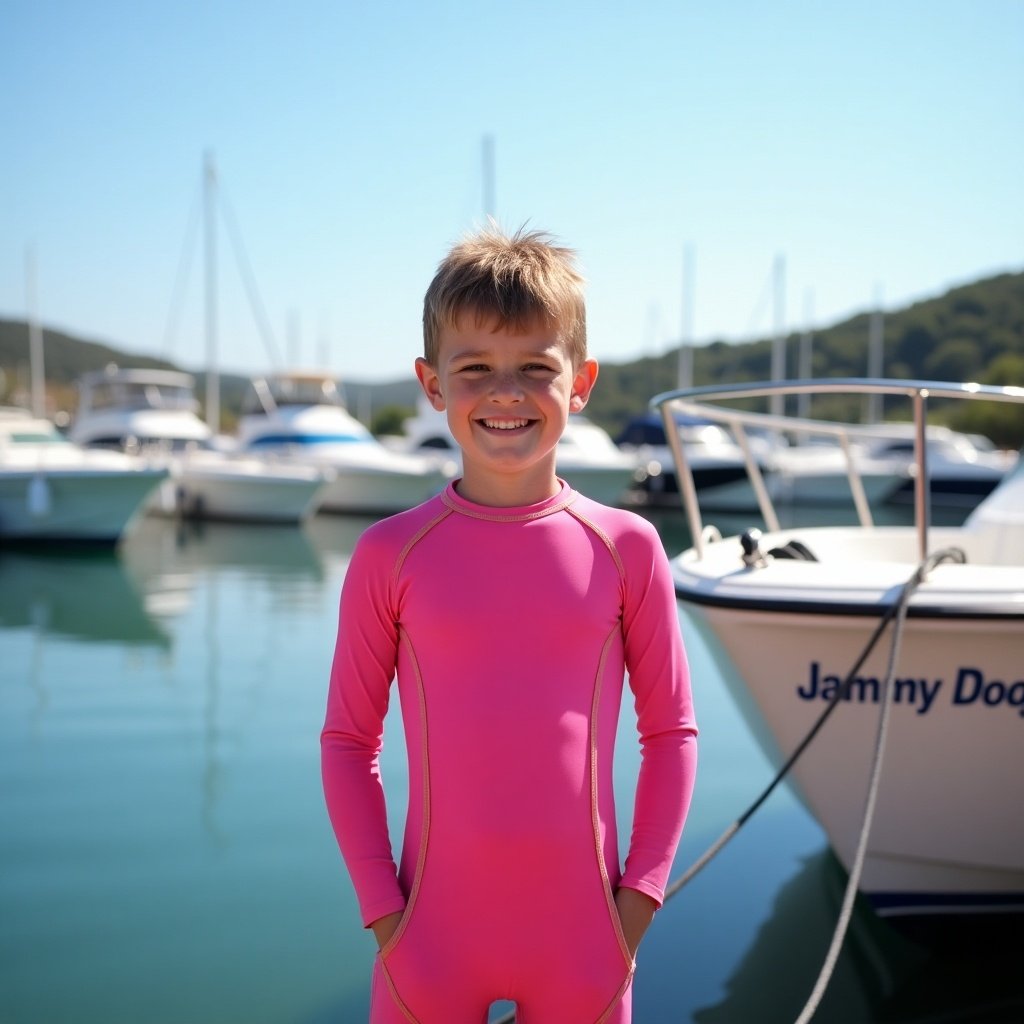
pixel 876 146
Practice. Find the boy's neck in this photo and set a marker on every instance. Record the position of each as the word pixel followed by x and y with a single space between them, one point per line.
pixel 507 490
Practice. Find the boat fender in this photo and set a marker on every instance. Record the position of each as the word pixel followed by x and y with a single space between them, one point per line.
pixel 796 550
pixel 38 496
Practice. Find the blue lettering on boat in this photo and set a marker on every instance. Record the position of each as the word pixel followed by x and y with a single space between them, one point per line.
pixel 920 693
pixel 972 686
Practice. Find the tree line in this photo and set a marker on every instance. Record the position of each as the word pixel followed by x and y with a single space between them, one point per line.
pixel 973 332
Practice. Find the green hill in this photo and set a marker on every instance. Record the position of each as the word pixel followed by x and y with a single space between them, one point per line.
pixel 972 332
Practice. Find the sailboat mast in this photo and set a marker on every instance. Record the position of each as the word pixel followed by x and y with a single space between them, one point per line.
pixel 805 361
pixel 779 341
pixel 37 374
pixel 210 225
pixel 684 371
pixel 876 354
pixel 487 159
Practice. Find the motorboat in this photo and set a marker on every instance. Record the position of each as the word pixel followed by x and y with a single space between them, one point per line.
pixel 816 472
pixel 52 490
pixel 962 469
pixel 302 418
pixel 586 457
pixel 153 414
pixel 796 610
pixel 716 460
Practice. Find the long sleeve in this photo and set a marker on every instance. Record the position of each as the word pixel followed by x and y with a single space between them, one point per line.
pixel 660 680
pixel 361 674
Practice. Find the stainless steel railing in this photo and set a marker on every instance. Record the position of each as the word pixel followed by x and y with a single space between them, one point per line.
pixel 702 402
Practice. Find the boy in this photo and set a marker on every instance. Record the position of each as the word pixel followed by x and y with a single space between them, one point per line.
pixel 510 608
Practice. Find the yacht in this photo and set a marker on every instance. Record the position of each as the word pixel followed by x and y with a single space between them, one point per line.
pixel 302 419
pixel 153 414
pixel 586 457
pixel 716 461
pixel 52 490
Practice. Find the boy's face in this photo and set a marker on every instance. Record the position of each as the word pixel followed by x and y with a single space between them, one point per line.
pixel 507 396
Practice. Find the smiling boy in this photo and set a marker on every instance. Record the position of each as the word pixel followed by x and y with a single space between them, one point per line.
pixel 510 608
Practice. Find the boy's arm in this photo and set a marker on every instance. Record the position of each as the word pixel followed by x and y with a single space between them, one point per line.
pixel 361 674
pixel 660 679
pixel 636 911
pixel 386 926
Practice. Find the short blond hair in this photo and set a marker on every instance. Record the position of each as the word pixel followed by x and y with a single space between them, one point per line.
pixel 518 280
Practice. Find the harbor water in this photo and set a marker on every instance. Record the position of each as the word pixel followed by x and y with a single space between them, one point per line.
pixel 165 855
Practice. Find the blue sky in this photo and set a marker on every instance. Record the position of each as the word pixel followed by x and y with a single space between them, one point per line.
pixel 877 147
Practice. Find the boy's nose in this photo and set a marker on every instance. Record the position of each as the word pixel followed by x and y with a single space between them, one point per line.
pixel 507 388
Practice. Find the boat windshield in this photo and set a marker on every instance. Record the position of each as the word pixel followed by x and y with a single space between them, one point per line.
pixel 306 391
pixel 122 394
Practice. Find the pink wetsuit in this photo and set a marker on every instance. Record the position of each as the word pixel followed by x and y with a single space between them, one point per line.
pixel 510 630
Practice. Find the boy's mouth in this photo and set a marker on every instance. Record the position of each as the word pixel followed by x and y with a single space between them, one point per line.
pixel 516 424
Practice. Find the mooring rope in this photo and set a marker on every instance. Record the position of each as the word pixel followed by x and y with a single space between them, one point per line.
pixel 888 690
pixel 896 610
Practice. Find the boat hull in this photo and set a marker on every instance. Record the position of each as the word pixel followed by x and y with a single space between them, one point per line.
pixel 243 490
pixel 94 506
pixel 943 838
pixel 606 485
pixel 364 490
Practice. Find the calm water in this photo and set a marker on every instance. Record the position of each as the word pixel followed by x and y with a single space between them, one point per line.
pixel 165 856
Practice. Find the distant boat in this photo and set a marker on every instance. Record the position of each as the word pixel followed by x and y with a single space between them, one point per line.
pixel 795 608
pixel 51 490
pixel 716 461
pixel 301 419
pixel 586 457
pixel 962 469
pixel 153 414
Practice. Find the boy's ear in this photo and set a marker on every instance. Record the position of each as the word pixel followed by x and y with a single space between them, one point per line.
pixel 582 385
pixel 431 383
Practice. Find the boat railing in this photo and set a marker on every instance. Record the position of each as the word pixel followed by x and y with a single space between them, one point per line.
pixel 701 401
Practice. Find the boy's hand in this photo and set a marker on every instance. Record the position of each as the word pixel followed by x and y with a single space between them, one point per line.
pixel 384 927
pixel 636 911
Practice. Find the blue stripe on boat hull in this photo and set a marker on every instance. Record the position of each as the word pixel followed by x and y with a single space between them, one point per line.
pixel 897 904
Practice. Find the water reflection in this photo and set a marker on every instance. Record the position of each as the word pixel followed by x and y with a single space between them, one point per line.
pixel 882 976
pixel 87 596
pixel 162 546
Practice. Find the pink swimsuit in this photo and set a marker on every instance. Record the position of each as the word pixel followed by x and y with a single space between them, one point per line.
pixel 510 630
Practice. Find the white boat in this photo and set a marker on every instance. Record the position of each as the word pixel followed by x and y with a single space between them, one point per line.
pixel 586 458
pixel 52 490
pixel 153 414
pixel 793 609
pixel 716 460
pixel 817 473
pixel 961 469
pixel 302 418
